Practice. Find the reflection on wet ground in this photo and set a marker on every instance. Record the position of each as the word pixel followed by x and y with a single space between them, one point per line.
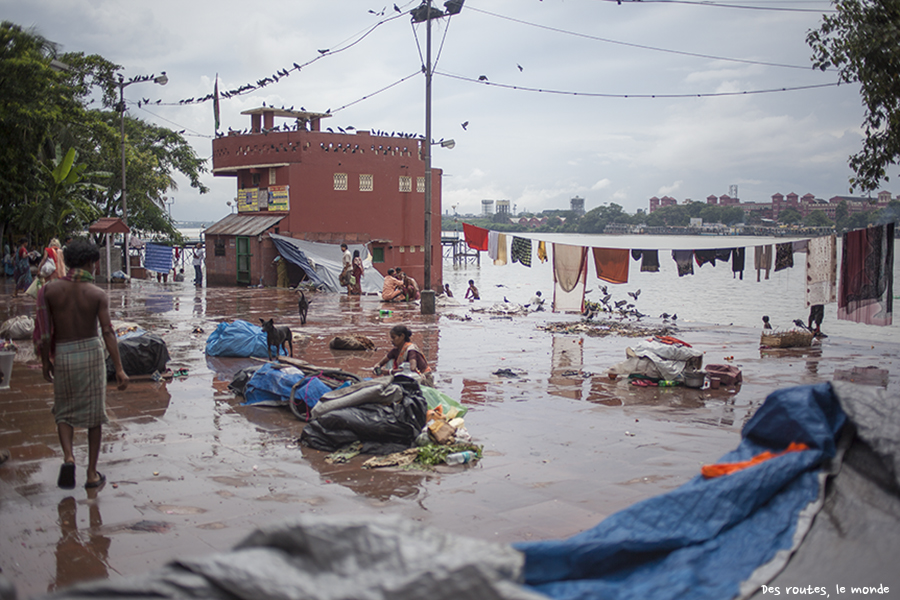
pixel 191 470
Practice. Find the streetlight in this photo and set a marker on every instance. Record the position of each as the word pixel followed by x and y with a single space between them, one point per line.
pixel 424 12
pixel 161 80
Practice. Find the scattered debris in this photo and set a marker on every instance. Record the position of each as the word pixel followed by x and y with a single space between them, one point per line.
pixel 606 328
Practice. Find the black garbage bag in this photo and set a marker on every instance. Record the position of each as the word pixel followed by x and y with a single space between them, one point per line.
pixel 238 385
pixel 142 354
pixel 381 428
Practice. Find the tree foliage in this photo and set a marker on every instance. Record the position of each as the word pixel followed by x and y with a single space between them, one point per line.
pixel 790 216
pixel 862 40
pixel 46 104
pixel 817 218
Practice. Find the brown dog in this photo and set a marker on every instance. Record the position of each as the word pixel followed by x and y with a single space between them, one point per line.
pixel 277 336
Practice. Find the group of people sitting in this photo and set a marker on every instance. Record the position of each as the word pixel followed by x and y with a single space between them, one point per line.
pixel 399 287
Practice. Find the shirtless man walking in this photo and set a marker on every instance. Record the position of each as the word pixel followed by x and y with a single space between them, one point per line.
pixel 69 310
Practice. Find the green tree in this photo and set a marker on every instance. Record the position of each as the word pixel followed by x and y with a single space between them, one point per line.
pixel 817 218
pixel 790 216
pixel 66 85
pixel 862 40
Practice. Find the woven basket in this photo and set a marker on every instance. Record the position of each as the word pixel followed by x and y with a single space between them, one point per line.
pixel 786 339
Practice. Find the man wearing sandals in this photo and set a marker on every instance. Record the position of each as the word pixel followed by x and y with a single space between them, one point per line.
pixel 69 310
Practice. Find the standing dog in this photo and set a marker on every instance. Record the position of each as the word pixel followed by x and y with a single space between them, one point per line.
pixel 303 306
pixel 276 336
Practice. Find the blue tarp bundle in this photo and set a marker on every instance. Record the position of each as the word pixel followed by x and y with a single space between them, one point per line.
pixel 158 258
pixel 706 538
pixel 271 385
pixel 238 339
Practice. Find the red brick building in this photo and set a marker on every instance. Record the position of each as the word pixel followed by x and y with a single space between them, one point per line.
pixel 332 187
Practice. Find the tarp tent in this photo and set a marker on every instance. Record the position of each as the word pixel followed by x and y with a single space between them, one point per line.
pixel 790 521
pixel 323 262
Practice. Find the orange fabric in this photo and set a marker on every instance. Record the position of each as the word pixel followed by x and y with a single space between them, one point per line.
pixel 671 341
pixel 611 264
pixel 717 470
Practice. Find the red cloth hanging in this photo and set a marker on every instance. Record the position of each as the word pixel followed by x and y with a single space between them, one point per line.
pixel 476 237
pixel 611 264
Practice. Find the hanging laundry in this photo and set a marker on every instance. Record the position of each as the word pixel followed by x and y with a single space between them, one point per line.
pixel 800 245
pixel 705 256
pixel 784 256
pixel 649 260
pixel 501 250
pixel 158 258
pixel 738 256
pixel 762 260
pixel 493 248
pixel 684 260
pixel 866 289
pixel 611 264
pixel 476 237
pixel 723 254
pixel 569 277
pixel 521 250
pixel 542 251
pixel 821 270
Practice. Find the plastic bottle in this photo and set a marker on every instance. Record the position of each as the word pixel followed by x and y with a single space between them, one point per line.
pixel 460 458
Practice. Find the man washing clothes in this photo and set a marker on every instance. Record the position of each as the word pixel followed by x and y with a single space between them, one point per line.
pixel 69 310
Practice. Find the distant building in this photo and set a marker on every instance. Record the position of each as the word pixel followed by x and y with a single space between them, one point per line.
pixel 503 207
pixel 577 205
pixel 487 208
pixel 299 181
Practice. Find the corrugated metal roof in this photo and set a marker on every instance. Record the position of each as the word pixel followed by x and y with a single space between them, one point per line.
pixel 237 224
pixel 108 225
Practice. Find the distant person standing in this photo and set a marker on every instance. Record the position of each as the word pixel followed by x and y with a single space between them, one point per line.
pixel 356 275
pixel 199 255
pixel 346 267
pixel 69 311
pixel 22 268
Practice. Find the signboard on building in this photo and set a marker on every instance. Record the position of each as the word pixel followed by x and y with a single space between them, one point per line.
pixel 278 198
pixel 247 201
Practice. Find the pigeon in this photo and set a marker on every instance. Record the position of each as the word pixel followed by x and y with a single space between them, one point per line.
pixel 325 51
pixel 664 316
pixel 520 67
pixel 635 294
pixel 801 324
pixel 482 78
pixel 465 125
pixel 621 303
pixel 397 8
pixel 603 289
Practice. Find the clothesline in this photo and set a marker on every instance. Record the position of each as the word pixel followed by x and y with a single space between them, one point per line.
pixel 866 269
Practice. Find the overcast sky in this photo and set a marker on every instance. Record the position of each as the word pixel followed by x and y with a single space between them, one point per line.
pixel 579 136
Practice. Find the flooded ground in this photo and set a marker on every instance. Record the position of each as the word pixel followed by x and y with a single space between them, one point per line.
pixel 191 471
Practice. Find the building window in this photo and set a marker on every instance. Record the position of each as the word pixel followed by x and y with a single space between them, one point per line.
pixel 420 185
pixel 271 176
pixel 365 183
pixel 378 254
pixel 340 181
pixel 405 183
pixel 254 180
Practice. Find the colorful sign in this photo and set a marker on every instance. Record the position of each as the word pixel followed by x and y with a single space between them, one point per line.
pixel 247 200
pixel 279 198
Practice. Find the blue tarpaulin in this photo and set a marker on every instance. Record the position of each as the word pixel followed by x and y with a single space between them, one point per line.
pixel 238 339
pixel 272 384
pixel 158 258
pixel 706 538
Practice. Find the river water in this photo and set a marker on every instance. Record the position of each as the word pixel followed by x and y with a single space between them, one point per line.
pixel 710 296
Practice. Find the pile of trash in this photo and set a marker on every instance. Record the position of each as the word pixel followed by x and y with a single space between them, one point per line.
pixel 394 418
pixel 607 327
pixel 661 361
pixel 503 308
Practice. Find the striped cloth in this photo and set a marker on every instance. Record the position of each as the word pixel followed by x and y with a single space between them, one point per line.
pixel 158 258
pixel 79 383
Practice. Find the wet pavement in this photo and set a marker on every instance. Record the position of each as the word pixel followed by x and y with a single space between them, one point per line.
pixel 191 471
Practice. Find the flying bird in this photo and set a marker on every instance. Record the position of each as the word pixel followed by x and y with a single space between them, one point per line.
pixel 464 125
pixel 635 294
pixel 520 67
pixel 621 303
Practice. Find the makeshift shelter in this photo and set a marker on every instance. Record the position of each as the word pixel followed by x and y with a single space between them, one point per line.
pixel 109 226
pixel 323 265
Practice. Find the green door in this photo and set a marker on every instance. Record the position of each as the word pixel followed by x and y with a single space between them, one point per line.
pixel 243 260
